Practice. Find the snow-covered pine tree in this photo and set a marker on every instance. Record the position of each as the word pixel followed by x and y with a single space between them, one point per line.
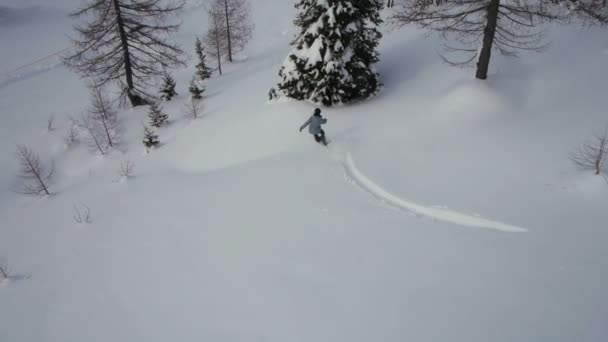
pixel 334 53
pixel 156 115
pixel 196 90
pixel 167 90
pixel 150 138
pixel 203 72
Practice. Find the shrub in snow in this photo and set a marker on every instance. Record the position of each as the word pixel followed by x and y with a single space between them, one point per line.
pixel 34 174
pixel 50 123
pixel 167 90
pixel 71 136
pixel 592 155
pixel 156 115
pixel 334 54
pixel 272 94
pixel 126 169
pixel 150 139
pixel 82 214
pixel 4 270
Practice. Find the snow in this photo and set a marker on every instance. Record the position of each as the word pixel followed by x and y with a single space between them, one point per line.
pixel 440 214
pixel 239 228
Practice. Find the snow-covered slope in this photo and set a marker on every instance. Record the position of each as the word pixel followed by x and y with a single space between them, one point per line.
pixel 239 228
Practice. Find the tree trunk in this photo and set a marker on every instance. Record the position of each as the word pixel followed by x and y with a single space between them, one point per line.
pixel 217 45
pixel 488 40
pixel 135 99
pixel 228 31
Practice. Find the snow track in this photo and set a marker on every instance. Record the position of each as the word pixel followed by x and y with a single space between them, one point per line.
pixel 439 214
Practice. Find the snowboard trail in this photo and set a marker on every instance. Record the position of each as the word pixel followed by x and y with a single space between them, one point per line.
pixel 439 214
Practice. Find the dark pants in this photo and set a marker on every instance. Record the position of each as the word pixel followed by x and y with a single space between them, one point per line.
pixel 320 138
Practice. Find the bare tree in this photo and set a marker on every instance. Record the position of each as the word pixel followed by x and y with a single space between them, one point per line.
pixel 237 25
pixel 505 25
pixel 101 122
pixel 591 11
pixel 193 109
pixel 125 41
pixel 592 155
pixel 95 139
pixel 34 174
pixel 215 40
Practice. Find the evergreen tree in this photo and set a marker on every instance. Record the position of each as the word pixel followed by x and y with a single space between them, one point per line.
pixel 195 90
pixel 150 139
pixel 156 115
pixel 202 70
pixel 168 88
pixel 334 53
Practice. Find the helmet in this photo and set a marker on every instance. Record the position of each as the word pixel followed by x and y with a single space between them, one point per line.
pixel 317 111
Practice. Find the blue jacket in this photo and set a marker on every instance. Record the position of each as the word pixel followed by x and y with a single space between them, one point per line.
pixel 314 124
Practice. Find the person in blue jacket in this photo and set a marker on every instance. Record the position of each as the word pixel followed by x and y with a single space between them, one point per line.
pixel 314 126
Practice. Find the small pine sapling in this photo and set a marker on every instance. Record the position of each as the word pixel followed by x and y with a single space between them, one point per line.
pixel 156 115
pixel 203 72
pixel 150 139
pixel 167 90
pixel 196 90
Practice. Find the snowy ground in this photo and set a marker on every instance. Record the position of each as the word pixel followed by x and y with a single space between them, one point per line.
pixel 445 209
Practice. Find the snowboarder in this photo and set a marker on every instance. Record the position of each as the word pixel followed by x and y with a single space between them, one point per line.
pixel 314 126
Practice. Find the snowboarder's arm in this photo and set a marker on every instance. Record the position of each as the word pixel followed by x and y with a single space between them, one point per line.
pixel 305 124
pixel 324 121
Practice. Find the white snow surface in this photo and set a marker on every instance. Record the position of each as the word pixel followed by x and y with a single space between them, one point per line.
pixel 441 214
pixel 239 228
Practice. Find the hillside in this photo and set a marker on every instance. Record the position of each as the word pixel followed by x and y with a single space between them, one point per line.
pixel 444 209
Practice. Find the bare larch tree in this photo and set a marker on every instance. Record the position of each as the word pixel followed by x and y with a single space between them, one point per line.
pixel 34 174
pixel 592 155
pixel 193 109
pixel 505 25
pixel 101 122
pixel 215 39
pixel 592 12
pixel 125 41
pixel 237 27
